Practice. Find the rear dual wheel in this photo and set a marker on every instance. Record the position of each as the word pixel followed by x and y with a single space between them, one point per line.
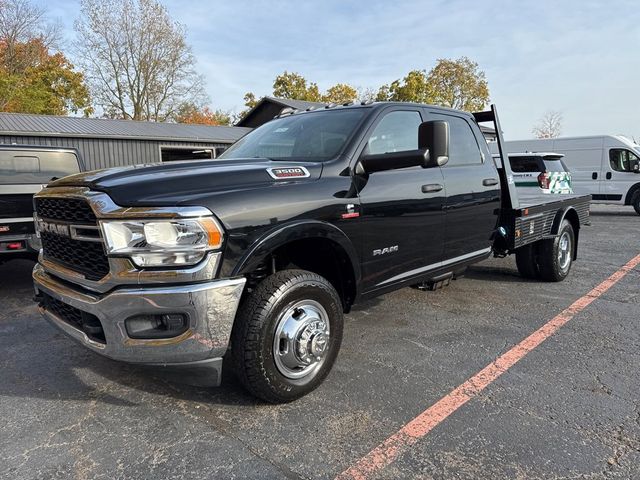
pixel 549 260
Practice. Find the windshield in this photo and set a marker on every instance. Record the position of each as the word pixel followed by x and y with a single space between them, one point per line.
pixel 26 167
pixel 307 137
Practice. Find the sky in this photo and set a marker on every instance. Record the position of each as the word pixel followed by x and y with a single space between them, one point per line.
pixel 578 57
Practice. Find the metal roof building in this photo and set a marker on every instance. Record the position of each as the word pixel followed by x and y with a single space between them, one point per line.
pixel 106 143
pixel 268 107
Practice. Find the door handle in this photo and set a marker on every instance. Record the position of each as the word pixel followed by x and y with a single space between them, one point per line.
pixel 608 175
pixel 489 182
pixel 594 176
pixel 431 188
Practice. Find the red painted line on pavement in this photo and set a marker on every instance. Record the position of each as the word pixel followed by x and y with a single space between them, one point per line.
pixel 389 450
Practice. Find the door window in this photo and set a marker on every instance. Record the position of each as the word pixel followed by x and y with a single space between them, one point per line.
pixel 621 159
pixel 463 146
pixel 396 132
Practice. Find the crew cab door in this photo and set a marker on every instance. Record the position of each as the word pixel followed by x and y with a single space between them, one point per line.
pixel 618 174
pixel 401 210
pixel 473 191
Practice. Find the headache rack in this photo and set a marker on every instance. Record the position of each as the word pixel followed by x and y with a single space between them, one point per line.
pixel 522 221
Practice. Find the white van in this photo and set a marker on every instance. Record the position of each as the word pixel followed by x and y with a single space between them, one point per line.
pixel 604 166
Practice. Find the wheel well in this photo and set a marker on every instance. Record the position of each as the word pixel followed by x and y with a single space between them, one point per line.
pixel 631 193
pixel 319 255
pixel 574 220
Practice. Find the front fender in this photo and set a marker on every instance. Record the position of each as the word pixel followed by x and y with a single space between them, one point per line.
pixel 292 231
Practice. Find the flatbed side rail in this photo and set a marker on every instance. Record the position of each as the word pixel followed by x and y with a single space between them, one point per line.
pixel 510 201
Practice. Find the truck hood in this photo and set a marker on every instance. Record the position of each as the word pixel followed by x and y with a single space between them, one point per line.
pixel 171 183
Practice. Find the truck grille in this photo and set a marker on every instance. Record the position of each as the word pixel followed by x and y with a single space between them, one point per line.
pixel 86 322
pixel 66 209
pixel 85 257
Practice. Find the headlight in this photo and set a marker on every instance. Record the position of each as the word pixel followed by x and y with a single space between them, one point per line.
pixel 157 243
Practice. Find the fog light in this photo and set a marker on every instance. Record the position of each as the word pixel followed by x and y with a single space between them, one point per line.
pixel 166 325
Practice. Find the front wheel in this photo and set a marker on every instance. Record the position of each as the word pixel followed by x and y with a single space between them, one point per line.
pixel 556 254
pixel 287 335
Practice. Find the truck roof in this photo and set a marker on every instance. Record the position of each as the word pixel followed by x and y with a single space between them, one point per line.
pixel 370 105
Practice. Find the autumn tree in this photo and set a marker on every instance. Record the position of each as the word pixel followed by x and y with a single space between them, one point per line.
pixel 33 77
pixel 45 84
pixel 20 23
pixel 137 60
pixel 412 88
pixel 549 125
pixel 340 93
pixel 191 113
pixel 294 86
pixel 458 84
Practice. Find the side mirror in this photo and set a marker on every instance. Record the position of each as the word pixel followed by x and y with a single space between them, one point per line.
pixel 434 137
pixel 433 151
pixel 392 161
pixel 634 166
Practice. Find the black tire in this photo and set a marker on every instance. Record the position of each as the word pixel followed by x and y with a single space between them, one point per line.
pixel 636 202
pixel 526 261
pixel 253 346
pixel 550 264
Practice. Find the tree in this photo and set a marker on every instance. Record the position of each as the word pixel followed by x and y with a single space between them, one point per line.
pixel 458 84
pixel 45 83
pixel 412 88
pixel 20 23
pixel 33 79
pixel 250 100
pixel 366 94
pixel 191 113
pixel 138 63
pixel 549 126
pixel 294 86
pixel 340 93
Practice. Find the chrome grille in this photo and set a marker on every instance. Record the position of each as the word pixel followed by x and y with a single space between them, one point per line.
pixel 83 256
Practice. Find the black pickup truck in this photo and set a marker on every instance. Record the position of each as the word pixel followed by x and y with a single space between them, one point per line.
pixel 255 256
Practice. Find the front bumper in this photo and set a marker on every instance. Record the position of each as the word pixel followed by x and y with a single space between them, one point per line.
pixel 210 307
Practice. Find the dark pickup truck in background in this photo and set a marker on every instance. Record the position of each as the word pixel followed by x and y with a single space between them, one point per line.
pixel 24 171
pixel 255 256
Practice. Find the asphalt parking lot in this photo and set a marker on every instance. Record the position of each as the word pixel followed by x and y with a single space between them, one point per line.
pixel 569 409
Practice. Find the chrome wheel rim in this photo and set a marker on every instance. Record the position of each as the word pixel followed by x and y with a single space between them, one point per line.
pixel 564 251
pixel 301 340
